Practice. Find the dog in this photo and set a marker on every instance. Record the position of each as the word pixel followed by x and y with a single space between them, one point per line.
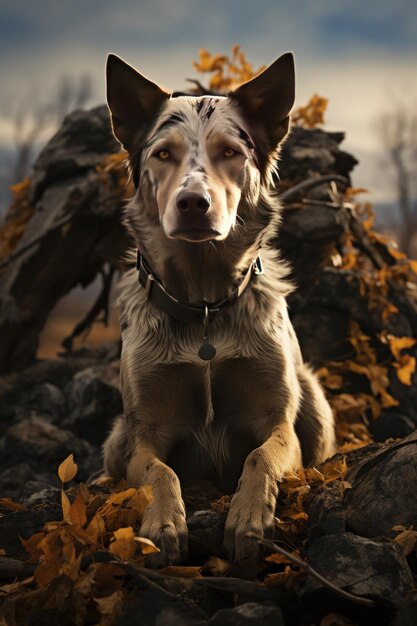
pixel 213 381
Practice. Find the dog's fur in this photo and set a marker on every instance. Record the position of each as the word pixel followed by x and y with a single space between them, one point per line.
pixel 255 411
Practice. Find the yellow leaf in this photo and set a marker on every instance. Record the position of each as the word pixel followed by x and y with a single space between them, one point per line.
pixel 77 512
pixel 395 253
pixel 400 343
pixel 406 370
pixel 313 475
pixel 68 469
pixel 95 529
pixel 124 545
pixel 66 505
pixel 146 545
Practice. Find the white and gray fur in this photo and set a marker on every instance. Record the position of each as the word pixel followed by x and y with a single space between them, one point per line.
pixel 256 410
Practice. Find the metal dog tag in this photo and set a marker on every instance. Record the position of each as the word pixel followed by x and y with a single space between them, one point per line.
pixel 207 350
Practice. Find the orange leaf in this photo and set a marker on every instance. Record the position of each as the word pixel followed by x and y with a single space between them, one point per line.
pixel 31 545
pixel 8 503
pixel 124 545
pixel 146 545
pixel 77 512
pixel 66 505
pixel 68 469
pixel 407 369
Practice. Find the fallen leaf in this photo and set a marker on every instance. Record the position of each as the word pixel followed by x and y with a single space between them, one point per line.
pixel 31 545
pixel 68 469
pixel 66 505
pixel 8 503
pixel 146 545
pixel 124 545
pixel 77 513
pixel 406 369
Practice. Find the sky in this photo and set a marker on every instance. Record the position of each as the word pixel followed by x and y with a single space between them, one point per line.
pixel 361 55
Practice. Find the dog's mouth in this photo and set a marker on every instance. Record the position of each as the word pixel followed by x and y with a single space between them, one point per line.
pixel 195 234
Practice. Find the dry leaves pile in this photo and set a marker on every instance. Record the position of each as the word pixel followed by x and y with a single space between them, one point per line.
pixel 69 575
pixel 378 359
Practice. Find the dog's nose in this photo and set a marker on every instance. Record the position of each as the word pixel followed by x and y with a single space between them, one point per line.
pixel 192 203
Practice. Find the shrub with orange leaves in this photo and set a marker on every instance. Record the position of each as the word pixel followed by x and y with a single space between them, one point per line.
pixel 227 72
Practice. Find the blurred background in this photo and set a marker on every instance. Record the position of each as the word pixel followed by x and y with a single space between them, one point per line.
pixel 362 57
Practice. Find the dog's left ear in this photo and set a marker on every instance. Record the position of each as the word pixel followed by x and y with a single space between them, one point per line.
pixel 268 98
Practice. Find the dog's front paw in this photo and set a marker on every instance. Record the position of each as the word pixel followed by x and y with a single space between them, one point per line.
pixel 168 530
pixel 248 514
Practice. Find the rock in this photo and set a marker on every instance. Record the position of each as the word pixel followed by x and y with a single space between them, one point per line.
pixel 66 184
pixel 383 490
pixel 35 492
pixel 375 569
pixel 38 389
pixel 406 616
pixel 391 425
pixel 382 482
pixel 249 614
pixel 93 404
pixel 206 529
pixel 45 446
pixel 155 607
pixel 309 152
pixel 17 476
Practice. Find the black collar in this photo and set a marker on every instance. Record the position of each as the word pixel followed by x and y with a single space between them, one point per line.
pixel 205 312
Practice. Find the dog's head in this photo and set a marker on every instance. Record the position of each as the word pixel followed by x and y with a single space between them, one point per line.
pixel 195 157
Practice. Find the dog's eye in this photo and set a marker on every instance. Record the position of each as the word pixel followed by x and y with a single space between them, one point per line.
pixel 163 155
pixel 229 152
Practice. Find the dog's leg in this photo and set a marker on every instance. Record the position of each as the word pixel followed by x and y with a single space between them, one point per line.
pixel 253 505
pixel 164 519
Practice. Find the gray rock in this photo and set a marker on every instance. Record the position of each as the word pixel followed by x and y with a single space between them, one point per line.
pixel 206 529
pixel 45 446
pixel 158 608
pixel 249 614
pixel 375 569
pixel 391 425
pixel 36 492
pixel 383 490
pixel 93 404
pixel 407 614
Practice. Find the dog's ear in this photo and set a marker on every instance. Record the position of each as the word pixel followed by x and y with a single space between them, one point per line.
pixel 267 99
pixel 133 100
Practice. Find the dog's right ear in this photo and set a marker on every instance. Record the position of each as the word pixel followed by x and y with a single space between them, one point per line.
pixel 133 101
